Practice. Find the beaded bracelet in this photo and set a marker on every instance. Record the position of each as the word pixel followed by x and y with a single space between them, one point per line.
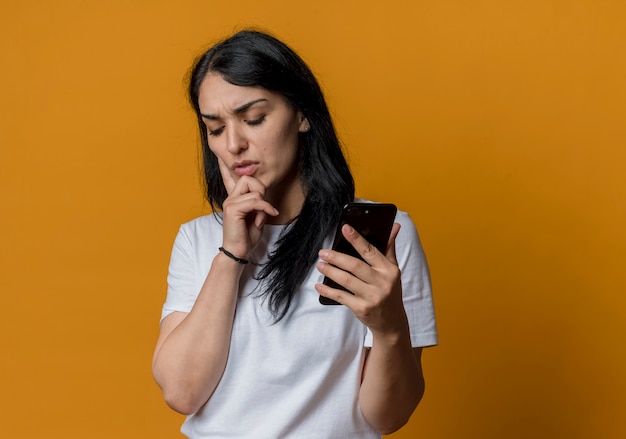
pixel 232 256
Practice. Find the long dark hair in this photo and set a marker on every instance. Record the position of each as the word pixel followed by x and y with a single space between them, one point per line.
pixel 255 59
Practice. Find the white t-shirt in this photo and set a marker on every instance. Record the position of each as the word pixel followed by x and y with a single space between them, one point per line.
pixel 300 377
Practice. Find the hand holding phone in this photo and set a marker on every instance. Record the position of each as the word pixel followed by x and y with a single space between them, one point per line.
pixel 373 221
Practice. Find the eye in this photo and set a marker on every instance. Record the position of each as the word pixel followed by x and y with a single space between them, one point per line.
pixel 258 121
pixel 216 132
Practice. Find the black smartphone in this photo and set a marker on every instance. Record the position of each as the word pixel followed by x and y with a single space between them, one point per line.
pixel 373 221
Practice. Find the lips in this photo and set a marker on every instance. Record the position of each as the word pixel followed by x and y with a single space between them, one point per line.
pixel 246 167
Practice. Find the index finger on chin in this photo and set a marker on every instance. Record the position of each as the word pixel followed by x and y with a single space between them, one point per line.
pixel 227 178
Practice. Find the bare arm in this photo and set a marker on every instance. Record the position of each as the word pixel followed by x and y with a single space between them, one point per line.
pixel 392 386
pixel 192 348
pixel 392 383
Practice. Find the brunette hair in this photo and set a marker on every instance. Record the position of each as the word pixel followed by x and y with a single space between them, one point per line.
pixel 255 59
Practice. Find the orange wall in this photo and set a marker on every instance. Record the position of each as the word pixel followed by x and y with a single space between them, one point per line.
pixel 499 125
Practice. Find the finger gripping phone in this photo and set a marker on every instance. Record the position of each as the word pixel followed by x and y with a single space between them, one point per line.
pixel 373 221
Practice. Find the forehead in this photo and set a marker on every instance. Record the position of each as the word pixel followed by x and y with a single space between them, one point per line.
pixel 216 94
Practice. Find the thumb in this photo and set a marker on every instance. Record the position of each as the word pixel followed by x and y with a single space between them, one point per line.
pixel 259 219
pixel 390 252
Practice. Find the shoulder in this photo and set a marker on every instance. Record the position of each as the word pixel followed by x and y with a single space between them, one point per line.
pixel 202 224
pixel 199 230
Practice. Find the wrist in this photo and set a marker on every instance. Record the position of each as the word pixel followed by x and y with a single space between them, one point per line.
pixel 227 264
pixel 235 258
pixel 391 337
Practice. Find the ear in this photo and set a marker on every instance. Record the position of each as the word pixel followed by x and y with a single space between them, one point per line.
pixel 304 124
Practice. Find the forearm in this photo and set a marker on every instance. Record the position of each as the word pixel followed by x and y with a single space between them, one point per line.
pixel 190 360
pixel 393 383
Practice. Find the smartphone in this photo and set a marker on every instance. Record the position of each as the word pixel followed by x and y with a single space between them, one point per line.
pixel 373 221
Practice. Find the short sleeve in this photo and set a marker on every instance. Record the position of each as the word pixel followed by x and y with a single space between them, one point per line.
pixel 181 282
pixel 416 286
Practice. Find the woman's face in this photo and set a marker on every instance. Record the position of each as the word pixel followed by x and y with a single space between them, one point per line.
pixel 252 131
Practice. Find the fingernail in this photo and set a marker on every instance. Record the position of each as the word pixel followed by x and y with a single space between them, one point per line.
pixel 323 254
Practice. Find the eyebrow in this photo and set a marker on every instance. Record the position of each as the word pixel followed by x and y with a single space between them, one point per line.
pixel 237 110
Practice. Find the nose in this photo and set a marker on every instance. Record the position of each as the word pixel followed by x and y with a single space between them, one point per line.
pixel 235 139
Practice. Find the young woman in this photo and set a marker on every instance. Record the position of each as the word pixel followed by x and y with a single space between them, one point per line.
pixel 246 350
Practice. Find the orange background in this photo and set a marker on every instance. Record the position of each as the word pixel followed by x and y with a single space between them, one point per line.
pixel 499 125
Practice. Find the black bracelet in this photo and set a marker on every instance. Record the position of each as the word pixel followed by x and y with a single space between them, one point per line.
pixel 233 257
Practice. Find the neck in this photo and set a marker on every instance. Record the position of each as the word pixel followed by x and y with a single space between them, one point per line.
pixel 288 200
